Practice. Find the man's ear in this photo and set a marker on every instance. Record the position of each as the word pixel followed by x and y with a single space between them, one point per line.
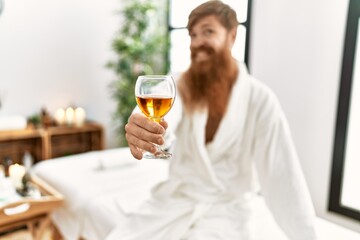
pixel 232 35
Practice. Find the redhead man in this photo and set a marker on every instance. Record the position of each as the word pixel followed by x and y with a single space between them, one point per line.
pixel 233 158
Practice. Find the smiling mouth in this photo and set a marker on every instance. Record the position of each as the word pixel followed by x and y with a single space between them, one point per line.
pixel 201 56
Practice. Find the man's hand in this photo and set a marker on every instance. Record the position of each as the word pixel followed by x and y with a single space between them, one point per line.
pixel 141 133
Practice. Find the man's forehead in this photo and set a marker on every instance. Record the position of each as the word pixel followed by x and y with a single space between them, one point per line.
pixel 209 20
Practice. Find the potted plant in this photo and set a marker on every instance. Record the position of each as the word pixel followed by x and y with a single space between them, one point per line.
pixel 140 47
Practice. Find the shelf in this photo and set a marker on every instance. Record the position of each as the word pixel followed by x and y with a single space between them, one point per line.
pixel 51 142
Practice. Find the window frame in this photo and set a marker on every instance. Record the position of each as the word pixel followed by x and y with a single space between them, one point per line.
pixel 343 113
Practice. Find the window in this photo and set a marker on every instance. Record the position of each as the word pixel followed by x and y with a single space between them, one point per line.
pixel 344 191
pixel 179 52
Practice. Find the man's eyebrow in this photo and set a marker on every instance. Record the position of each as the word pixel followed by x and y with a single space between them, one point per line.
pixel 206 25
pixel 203 25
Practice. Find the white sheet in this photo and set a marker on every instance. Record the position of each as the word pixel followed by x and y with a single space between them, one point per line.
pixel 112 176
pixel 96 200
pixel 12 122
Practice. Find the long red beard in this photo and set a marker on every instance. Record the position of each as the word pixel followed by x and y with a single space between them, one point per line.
pixel 209 83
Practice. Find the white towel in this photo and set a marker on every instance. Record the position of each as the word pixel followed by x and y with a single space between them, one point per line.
pixel 12 122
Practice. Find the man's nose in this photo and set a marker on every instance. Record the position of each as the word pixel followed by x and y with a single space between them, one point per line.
pixel 198 41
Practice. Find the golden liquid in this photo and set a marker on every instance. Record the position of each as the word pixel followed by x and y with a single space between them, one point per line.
pixel 154 107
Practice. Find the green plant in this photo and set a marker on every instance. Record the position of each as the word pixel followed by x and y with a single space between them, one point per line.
pixel 140 47
pixel 34 119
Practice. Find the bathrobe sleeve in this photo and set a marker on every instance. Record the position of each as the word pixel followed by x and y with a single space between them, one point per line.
pixel 281 179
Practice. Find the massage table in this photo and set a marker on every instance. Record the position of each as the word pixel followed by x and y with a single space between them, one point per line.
pixel 101 187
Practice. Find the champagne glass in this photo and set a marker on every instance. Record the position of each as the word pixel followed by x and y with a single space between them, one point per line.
pixel 155 95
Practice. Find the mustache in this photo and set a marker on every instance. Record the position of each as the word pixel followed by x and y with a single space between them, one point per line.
pixel 207 49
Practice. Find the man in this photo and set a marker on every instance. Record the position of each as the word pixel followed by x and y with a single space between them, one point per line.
pixel 233 150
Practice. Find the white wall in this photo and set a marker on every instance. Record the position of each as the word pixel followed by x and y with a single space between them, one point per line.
pixel 297 50
pixel 53 53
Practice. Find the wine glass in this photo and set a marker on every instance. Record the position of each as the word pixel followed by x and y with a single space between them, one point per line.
pixel 155 95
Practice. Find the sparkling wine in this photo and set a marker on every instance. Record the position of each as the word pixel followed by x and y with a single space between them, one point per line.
pixel 154 107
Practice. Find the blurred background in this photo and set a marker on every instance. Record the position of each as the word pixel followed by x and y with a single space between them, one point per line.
pixel 55 54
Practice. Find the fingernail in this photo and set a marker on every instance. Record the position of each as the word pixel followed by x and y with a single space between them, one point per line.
pixel 153 149
pixel 160 141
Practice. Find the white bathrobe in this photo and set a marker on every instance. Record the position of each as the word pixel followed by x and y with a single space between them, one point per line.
pixel 222 190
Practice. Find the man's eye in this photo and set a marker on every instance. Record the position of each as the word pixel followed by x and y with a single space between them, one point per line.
pixel 208 32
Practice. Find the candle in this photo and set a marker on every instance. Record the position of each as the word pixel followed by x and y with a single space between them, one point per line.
pixel 16 173
pixel 69 116
pixel 80 116
pixel 2 172
pixel 60 116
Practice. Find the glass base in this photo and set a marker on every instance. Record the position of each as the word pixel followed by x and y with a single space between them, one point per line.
pixel 157 155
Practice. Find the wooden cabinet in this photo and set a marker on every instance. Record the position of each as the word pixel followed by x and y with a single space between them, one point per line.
pixel 51 142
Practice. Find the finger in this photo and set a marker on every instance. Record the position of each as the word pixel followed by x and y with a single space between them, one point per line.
pixel 164 124
pixel 144 122
pixel 139 143
pixel 136 133
pixel 136 152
